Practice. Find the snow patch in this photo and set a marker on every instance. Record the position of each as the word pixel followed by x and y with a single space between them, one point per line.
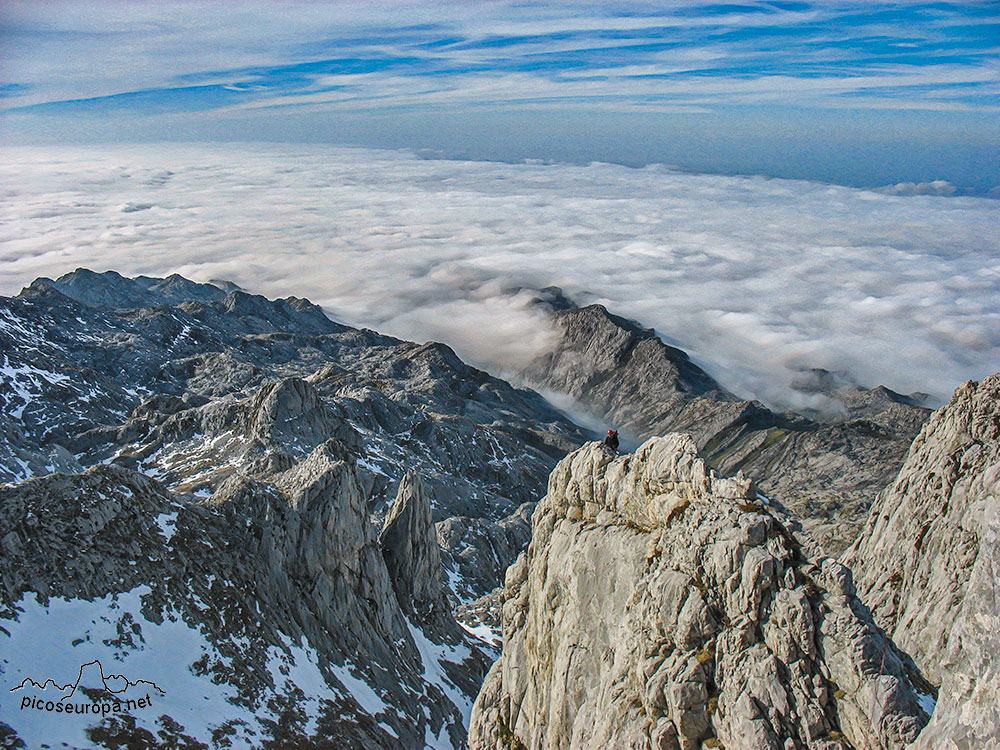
pixel 927 702
pixel 371 466
pixel 432 655
pixel 458 587
pixel 362 692
pixel 54 641
pixel 486 634
pixel 25 379
pixel 167 523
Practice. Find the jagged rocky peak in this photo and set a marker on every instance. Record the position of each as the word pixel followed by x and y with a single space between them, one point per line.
pixel 334 545
pixel 845 401
pixel 928 563
pixel 553 298
pixel 411 552
pixel 660 605
pixel 596 345
pixel 194 443
pixel 110 290
pixel 292 410
pixel 226 285
pixel 100 290
pixel 263 316
pixel 175 288
pixel 819 380
pixel 840 383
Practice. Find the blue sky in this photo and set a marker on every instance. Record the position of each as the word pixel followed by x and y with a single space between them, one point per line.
pixel 860 93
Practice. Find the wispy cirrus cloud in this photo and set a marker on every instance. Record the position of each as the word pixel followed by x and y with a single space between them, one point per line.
pixel 63 57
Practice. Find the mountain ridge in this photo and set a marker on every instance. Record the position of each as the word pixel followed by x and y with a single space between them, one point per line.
pixel 827 472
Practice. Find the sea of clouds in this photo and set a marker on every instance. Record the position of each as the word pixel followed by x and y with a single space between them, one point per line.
pixel 756 278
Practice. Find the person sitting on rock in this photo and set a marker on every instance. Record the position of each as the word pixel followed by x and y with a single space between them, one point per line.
pixel 611 441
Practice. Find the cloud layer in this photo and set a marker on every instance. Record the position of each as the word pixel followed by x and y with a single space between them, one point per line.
pixel 754 277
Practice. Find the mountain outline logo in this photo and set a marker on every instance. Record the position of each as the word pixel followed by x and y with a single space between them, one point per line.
pixel 119 683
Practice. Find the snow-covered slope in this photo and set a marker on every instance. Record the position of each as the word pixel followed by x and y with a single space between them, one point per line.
pixel 262 617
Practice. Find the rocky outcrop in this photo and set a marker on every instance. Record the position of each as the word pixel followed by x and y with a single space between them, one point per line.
pixel 928 564
pixel 411 552
pixel 661 606
pixel 626 374
pixel 291 411
pixel 914 558
pixel 266 614
pixel 825 465
pixel 193 443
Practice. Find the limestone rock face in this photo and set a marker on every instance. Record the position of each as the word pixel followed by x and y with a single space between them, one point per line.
pixel 928 564
pixel 914 559
pixel 968 706
pixel 410 549
pixel 661 606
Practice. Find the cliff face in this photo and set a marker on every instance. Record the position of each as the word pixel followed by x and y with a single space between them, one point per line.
pixel 968 707
pixel 928 559
pixel 913 560
pixel 660 606
pixel 410 549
